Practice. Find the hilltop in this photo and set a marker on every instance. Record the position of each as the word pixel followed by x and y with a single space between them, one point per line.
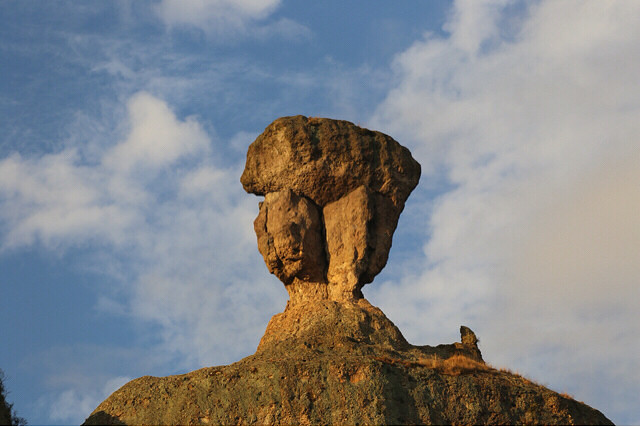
pixel 333 194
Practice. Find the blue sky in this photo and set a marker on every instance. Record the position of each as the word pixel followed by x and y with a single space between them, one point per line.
pixel 126 240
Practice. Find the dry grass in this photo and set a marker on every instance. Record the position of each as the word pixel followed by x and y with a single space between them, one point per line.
pixel 516 374
pixel 454 365
pixel 457 365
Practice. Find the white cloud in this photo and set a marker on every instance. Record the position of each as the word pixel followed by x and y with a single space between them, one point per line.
pixel 201 12
pixel 60 196
pixel 473 22
pixel 536 129
pixel 214 12
pixel 157 139
pixel 284 28
pixel 73 405
pixel 52 197
pixel 81 376
pixel 157 198
pixel 223 18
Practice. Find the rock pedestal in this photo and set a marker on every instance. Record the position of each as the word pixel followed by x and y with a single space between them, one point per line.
pixel 333 195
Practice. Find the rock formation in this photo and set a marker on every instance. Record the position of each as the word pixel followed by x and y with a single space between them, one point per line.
pixel 333 193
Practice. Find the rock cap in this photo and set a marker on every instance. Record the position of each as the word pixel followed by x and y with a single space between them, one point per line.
pixel 325 159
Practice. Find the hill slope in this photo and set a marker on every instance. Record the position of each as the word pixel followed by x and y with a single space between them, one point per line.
pixel 342 363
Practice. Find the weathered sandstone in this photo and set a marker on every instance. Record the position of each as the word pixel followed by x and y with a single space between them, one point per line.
pixel 290 237
pixel 357 178
pixel 359 230
pixel 325 159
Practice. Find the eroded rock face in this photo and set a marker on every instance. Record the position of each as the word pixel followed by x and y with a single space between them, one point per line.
pixel 290 237
pixel 325 159
pixel 333 195
pixel 332 363
pixel 359 229
pixel 470 341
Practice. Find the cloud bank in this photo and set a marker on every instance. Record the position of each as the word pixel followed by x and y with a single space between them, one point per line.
pixel 531 113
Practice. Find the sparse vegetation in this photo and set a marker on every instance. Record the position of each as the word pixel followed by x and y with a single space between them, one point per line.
pixel 455 365
pixel 7 414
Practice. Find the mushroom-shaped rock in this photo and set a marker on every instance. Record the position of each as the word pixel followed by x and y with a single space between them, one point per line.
pixel 333 194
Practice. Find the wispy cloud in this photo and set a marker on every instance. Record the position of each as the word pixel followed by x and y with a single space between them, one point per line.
pixel 57 196
pixel 159 198
pixel 80 376
pixel 535 128
pixel 73 404
pixel 216 13
pixel 227 19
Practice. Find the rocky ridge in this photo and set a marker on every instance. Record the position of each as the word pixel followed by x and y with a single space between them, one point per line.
pixel 333 195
